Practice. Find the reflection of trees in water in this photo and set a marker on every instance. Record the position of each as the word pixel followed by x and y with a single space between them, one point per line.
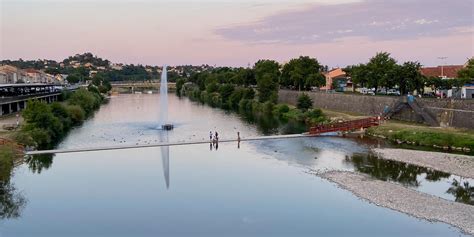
pixel 269 125
pixel 462 191
pixel 393 170
pixel 11 201
pixel 37 163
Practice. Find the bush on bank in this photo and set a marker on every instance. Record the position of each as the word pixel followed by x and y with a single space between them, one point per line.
pixel 46 124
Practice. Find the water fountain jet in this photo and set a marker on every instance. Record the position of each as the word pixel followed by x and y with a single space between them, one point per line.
pixel 164 101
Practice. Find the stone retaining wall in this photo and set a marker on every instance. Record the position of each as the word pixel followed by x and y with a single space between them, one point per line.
pixel 455 113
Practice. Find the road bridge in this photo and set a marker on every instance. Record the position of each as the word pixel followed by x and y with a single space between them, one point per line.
pixel 13 97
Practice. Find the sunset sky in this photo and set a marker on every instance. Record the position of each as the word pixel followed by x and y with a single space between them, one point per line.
pixel 238 32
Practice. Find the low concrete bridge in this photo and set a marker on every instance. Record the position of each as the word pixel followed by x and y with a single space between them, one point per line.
pixel 131 86
pixel 314 131
pixel 121 147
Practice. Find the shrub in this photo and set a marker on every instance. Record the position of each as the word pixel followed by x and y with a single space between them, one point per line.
pixel 60 111
pixel 294 114
pixel 215 100
pixel 235 98
pixel 245 106
pixel 76 114
pixel 304 102
pixel 314 116
pixel 267 108
pixel 248 94
pixel 41 137
pixel 226 91
pixel 86 99
pixel 280 109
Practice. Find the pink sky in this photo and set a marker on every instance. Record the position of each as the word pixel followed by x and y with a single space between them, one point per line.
pixel 237 33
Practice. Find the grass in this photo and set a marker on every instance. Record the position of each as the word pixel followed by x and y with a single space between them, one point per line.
pixel 335 115
pixel 424 135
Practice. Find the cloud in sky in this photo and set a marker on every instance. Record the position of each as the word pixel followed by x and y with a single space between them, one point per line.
pixel 237 32
pixel 372 19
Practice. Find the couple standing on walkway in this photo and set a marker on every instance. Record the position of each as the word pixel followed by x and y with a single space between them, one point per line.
pixel 214 137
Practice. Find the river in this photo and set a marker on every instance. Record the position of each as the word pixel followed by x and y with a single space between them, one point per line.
pixel 259 188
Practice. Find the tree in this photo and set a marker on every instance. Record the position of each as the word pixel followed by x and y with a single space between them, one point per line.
pixel 359 74
pixel 225 91
pixel 267 73
pixel 408 77
pixel 381 69
pixel 468 71
pixel 179 85
pixel 315 79
pixel 267 88
pixel 302 73
pixel 304 102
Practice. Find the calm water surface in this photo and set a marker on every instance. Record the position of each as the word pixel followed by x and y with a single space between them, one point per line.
pixel 250 189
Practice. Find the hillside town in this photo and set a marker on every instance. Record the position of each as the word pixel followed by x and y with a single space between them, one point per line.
pixel 84 67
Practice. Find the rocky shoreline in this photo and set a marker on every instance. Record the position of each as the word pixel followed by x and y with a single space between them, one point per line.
pixel 405 200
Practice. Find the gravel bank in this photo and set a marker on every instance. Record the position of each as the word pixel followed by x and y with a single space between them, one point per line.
pixel 461 165
pixel 399 198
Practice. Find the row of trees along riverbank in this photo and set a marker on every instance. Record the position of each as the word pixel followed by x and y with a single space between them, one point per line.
pixel 383 71
pixel 46 124
pixel 304 73
pixel 252 92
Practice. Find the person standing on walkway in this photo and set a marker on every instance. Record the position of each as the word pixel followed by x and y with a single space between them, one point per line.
pixel 217 136
pixel 210 135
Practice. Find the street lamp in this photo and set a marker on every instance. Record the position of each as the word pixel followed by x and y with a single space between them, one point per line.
pixel 442 65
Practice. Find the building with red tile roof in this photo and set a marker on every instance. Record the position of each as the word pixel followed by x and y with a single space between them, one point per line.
pixel 446 72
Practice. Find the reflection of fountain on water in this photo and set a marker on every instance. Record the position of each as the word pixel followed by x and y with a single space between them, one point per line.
pixel 165 157
pixel 165 150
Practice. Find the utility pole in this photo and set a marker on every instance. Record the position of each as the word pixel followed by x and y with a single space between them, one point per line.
pixel 443 58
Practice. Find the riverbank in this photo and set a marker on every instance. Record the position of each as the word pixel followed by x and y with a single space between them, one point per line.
pixel 461 165
pixel 244 101
pixel 405 200
pixel 461 140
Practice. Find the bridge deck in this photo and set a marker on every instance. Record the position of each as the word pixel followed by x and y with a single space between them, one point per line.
pixel 118 147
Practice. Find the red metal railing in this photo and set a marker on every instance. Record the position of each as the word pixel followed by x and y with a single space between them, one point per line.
pixel 345 126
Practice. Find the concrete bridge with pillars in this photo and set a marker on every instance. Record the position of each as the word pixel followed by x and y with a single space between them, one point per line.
pixel 132 86
pixel 13 97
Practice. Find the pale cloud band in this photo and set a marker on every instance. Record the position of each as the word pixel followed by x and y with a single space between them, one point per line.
pixel 371 19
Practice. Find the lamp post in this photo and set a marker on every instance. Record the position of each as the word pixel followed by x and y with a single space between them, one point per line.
pixel 442 65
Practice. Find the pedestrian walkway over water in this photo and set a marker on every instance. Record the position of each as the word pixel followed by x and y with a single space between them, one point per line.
pixel 314 131
pixel 104 148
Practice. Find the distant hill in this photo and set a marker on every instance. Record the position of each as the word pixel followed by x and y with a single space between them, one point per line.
pixel 88 65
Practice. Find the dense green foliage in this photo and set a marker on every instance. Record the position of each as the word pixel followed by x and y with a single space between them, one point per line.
pixel 267 73
pixel 253 92
pixel 304 102
pixel 468 71
pixel 46 124
pixel 382 71
pixel 302 73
